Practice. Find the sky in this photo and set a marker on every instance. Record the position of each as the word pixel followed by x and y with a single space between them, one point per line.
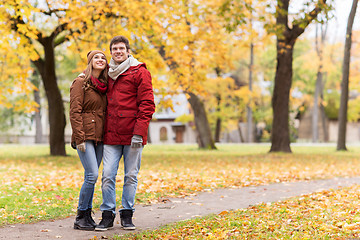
pixel 337 25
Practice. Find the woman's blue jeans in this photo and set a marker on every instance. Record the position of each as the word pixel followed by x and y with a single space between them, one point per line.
pixel 132 161
pixel 90 160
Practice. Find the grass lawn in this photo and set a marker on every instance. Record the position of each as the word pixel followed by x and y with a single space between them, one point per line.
pixel 35 186
pixel 322 215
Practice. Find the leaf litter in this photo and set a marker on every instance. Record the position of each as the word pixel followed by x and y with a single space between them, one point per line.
pixel 47 188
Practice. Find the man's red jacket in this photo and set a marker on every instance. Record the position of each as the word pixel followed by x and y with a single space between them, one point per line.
pixel 130 106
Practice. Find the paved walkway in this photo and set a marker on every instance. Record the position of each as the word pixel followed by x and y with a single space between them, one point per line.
pixel 153 216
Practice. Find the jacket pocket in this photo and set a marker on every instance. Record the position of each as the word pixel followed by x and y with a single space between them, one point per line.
pixel 89 126
pixel 126 122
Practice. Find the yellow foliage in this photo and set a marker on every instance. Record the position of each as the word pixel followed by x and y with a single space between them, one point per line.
pixel 182 42
pixel 14 77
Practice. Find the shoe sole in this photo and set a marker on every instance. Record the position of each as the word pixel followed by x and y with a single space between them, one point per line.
pixel 103 229
pixel 85 229
pixel 129 228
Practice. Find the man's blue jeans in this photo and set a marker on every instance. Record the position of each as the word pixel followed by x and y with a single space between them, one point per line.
pixel 90 160
pixel 132 161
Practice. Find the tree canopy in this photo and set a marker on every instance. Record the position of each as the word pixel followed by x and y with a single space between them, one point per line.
pixel 197 48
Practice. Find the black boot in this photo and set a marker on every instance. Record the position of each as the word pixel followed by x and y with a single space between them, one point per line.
pixel 107 221
pixel 82 222
pixel 89 217
pixel 126 219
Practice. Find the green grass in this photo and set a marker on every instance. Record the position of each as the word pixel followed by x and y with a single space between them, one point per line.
pixel 324 215
pixel 35 186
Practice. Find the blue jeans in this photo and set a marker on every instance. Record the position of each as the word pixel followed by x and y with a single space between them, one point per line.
pixel 132 161
pixel 90 160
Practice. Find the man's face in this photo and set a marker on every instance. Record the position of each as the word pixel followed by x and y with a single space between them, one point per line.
pixel 119 52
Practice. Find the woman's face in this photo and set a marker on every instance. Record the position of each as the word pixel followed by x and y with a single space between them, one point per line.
pixel 99 61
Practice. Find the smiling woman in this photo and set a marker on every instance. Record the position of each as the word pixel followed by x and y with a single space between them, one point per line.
pixel 87 116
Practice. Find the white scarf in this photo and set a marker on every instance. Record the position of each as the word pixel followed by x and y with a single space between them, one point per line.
pixel 116 69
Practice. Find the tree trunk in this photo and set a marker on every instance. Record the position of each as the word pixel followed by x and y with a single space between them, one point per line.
pixel 319 84
pixel 250 132
pixel 218 119
pixel 240 132
pixel 280 137
pixel 149 136
pixel 38 125
pixel 323 123
pixel 201 122
pixel 217 130
pixel 341 141
pixel 57 119
pixel 250 135
pixel 315 116
pixel 322 110
pixel 280 134
pixel 35 80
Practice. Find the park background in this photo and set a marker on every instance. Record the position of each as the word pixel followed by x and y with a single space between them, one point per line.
pixel 223 72
pixel 213 67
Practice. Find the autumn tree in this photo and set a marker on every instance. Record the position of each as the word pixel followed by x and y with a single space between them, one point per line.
pixel 287 34
pixel 41 28
pixel 171 37
pixel 23 18
pixel 191 29
pixel 15 69
pixel 227 100
pixel 191 41
pixel 77 21
pixel 244 19
pixel 341 141
pixel 16 103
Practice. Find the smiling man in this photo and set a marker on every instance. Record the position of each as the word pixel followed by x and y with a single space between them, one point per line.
pixel 130 106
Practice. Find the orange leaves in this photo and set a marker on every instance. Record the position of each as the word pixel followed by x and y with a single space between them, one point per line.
pixel 223 213
pixel 42 212
pixel 35 187
pixel 178 175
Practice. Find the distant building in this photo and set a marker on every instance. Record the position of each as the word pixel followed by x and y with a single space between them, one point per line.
pixel 331 126
pixel 164 129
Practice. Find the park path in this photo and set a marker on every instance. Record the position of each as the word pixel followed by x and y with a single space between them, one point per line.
pixel 173 210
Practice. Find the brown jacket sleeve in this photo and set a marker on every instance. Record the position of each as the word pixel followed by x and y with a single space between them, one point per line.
pixel 76 108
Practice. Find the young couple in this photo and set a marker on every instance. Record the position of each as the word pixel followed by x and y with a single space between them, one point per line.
pixel 111 106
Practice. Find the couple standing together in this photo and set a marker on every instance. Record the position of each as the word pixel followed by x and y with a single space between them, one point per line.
pixel 111 106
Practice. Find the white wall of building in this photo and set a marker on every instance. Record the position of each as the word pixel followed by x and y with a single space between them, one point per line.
pixel 352 131
pixel 154 131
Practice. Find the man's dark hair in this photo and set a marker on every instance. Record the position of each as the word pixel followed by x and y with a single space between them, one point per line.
pixel 119 39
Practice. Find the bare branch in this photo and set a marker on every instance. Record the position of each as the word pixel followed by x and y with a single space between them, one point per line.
pixel 51 11
pixel 299 26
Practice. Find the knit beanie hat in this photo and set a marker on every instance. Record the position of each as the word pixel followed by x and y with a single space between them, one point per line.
pixel 92 53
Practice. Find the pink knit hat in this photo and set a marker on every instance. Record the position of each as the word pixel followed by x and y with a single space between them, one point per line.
pixel 92 53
